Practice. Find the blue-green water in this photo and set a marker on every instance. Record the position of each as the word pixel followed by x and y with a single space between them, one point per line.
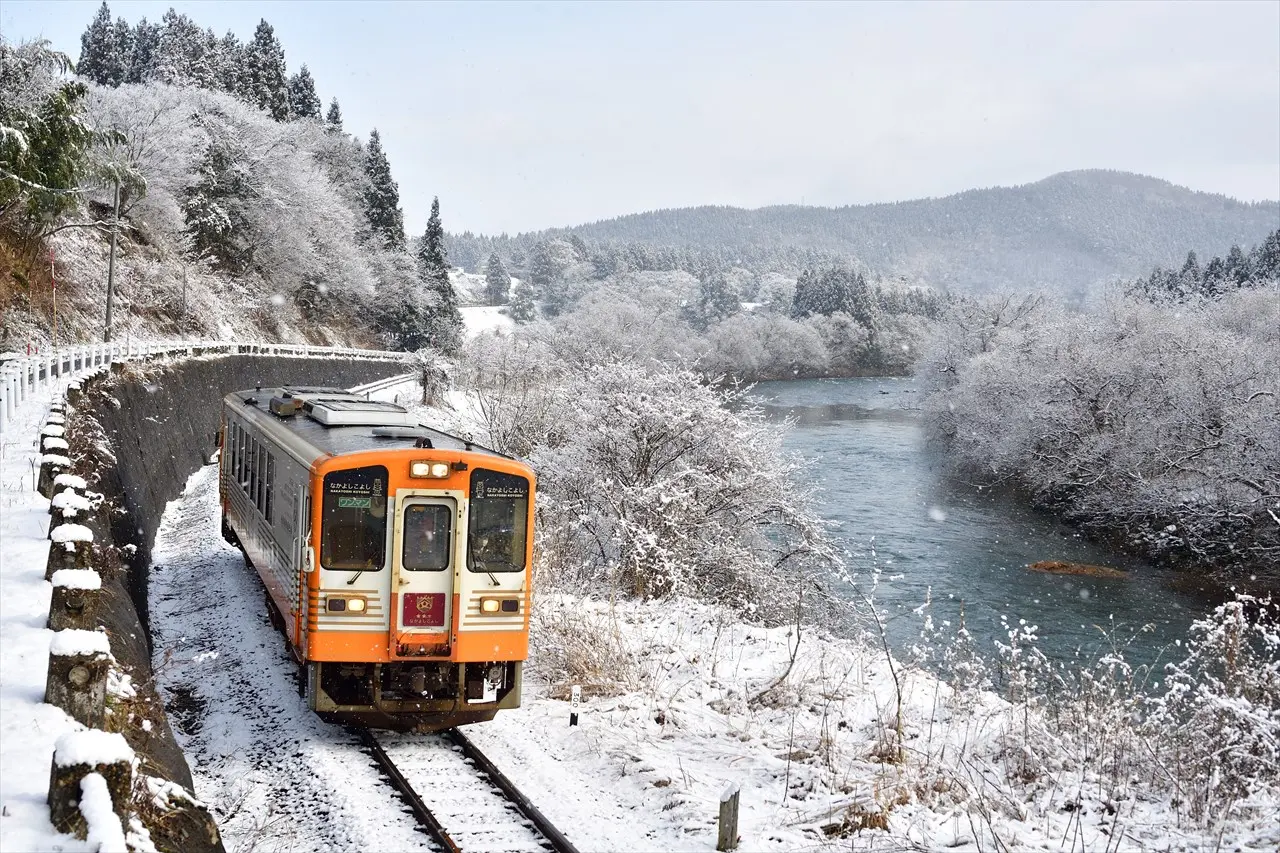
pixel 884 491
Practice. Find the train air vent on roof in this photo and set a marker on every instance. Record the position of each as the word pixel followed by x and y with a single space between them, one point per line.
pixel 415 432
pixel 357 412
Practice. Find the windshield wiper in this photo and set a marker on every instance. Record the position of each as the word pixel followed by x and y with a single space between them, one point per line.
pixel 356 576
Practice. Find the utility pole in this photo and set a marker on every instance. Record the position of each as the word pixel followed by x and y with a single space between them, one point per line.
pixel 111 262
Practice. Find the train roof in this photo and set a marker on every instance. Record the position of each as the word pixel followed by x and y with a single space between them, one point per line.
pixel 335 421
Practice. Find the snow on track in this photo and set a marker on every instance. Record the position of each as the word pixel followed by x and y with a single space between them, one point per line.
pixel 276 777
pixel 475 813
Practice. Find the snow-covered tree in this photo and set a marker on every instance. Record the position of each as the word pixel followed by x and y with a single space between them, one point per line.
pixel 146 52
pixel 303 101
pixel 444 319
pixel 181 56
pixel 333 118
pixel 264 82
pixel 44 140
pixel 230 64
pixel 717 299
pixel 105 49
pixel 496 280
pixel 522 308
pixel 382 198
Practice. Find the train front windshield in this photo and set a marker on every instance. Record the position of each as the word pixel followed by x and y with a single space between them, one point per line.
pixel 497 531
pixel 353 525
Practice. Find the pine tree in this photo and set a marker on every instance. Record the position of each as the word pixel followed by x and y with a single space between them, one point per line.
pixel 717 299
pixel 382 198
pixel 146 52
pixel 497 281
pixel 265 85
pixel 229 64
pixel 333 119
pixel 1238 268
pixel 444 319
pixel 522 309
pixel 95 46
pixel 180 58
pixel 1265 259
pixel 122 53
pixel 105 49
pixel 303 101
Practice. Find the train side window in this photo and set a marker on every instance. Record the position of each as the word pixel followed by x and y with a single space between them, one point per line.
pixel 271 485
pixel 259 493
pixel 428 532
pixel 353 520
pixel 251 462
pixel 497 529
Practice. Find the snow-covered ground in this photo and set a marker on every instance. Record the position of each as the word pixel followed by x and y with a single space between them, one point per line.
pixel 688 712
pixel 484 318
pixel 28 727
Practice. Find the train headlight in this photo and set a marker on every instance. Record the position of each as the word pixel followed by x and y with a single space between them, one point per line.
pixel 490 606
pixel 428 469
pixel 346 604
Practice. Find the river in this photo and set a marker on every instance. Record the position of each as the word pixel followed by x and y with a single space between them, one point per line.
pixel 892 509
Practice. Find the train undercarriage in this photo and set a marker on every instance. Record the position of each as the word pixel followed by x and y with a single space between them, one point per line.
pixel 415 696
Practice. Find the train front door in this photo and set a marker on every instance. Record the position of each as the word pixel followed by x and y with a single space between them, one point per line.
pixel 425 572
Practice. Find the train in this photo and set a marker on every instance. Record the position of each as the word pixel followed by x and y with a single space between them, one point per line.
pixel 396 558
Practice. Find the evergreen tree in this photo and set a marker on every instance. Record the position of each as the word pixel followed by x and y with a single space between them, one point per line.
pixel 546 275
pixel 229 64
pixel 1239 270
pixel 444 320
pixel 717 299
pixel 105 49
pixel 214 210
pixel 1265 259
pixel 265 84
pixel 497 281
pixel 122 52
pixel 1215 281
pixel 1190 278
pixel 303 101
pixel 522 309
pixel 333 119
pixel 146 52
pixel 180 56
pixel 382 198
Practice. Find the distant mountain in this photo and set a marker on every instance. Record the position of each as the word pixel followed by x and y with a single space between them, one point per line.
pixel 1069 231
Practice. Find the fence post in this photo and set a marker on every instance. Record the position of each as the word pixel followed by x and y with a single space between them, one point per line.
pixel 727 839
pixel 75 756
pixel 72 548
pixel 77 680
pixel 74 603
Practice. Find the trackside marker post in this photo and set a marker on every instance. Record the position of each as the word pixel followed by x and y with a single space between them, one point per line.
pixel 727 837
pixel 575 697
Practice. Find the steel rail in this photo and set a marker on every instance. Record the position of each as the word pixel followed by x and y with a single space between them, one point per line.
pixel 416 805
pixel 522 803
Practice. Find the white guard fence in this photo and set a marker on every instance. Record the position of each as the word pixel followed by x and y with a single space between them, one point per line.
pixel 21 378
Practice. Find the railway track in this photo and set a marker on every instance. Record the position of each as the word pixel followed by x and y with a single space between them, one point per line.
pixel 460 798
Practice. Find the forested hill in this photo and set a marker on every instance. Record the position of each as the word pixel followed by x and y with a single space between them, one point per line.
pixel 1067 231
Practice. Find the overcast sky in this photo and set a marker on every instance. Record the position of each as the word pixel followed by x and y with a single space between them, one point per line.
pixel 531 115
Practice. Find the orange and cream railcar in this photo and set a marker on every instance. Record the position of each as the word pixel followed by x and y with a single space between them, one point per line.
pixel 396 557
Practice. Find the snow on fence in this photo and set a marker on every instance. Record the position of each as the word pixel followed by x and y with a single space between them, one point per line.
pixel 21 378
